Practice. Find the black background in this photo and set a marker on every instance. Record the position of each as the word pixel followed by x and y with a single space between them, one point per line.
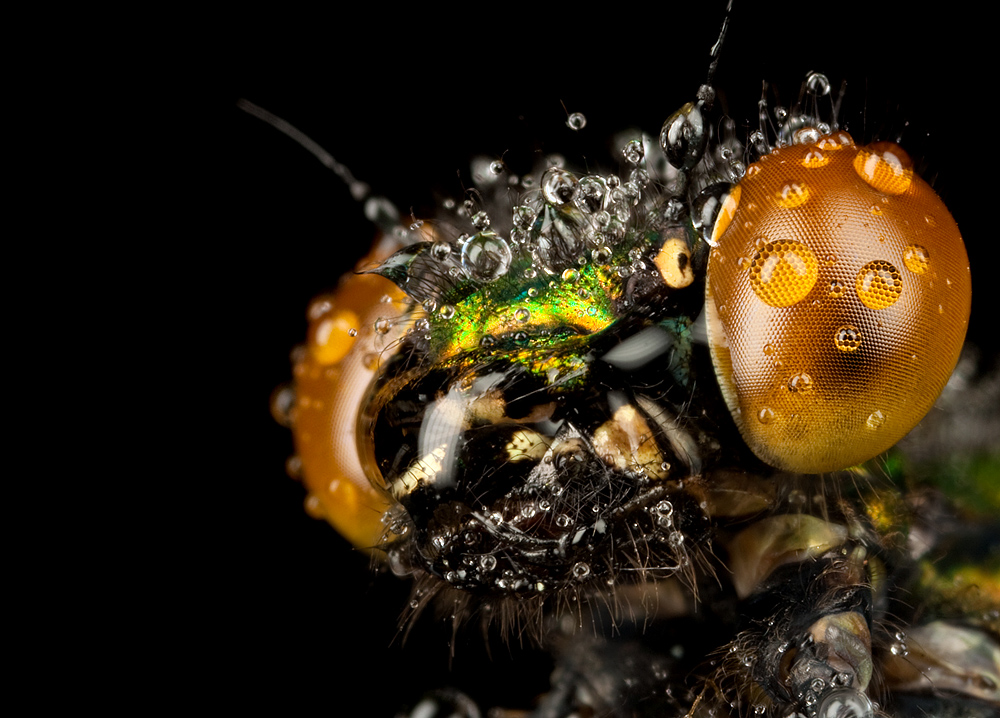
pixel 280 608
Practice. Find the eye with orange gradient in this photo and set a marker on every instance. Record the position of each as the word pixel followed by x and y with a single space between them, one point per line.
pixel 838 297
pixel 349 333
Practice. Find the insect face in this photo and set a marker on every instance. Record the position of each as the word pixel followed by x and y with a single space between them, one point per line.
pixel 543 436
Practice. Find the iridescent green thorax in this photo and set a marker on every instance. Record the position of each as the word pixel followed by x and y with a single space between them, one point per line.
pixel 529 310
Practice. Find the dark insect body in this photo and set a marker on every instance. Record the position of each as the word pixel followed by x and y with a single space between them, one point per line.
pixel 549 452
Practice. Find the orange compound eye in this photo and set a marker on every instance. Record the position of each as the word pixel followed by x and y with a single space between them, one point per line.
pixel 348 333
pixel 838 298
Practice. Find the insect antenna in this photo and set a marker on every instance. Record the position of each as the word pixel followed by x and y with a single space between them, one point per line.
pixel 378 210
pixel 716 50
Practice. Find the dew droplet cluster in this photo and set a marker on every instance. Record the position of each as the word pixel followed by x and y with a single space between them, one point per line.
pixel 826 266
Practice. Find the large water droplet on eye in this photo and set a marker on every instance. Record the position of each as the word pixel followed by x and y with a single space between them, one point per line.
pixel 783 273
pixel 885 167
pixel 331 337
pixel 792 194
pixel 916 258
pixel 847 338
pixel 814 159
pixel 878 284
pixel 559 186
pixel 486 257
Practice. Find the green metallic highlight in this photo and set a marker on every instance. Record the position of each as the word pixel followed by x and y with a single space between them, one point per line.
pixel 579 301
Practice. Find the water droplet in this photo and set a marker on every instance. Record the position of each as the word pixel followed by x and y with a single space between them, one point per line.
pixel 496 167
pixel 783 273
pixel 769 349
pixel 875 419
pixel 580 570
pixel 814 159
pixel 352 333
pixel 806 136
pixel 383 325
pixel 440 250
pixel 847 338
pixel 801 383
pixel 487 562
pixel 916 258
pixel 570 275
pixel 885 167
pixel 486 257
pixel 765 415
pixel 818 82
pixel 792 194
pixel 837 289
pixel 447 311
pixel 878 284
pixel 633 152
pixel 522 315
pixel 480 220
pixel 601 255
pixel 576 121
pixel 559 187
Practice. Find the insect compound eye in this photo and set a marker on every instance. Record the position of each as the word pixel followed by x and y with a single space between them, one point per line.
pixel 348 333
pixel 838 297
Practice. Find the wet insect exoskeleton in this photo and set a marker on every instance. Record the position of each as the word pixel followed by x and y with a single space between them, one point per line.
pixel 550 452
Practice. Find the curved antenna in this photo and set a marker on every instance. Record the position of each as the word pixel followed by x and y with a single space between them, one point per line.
pixel 717 47
pixel 378 210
